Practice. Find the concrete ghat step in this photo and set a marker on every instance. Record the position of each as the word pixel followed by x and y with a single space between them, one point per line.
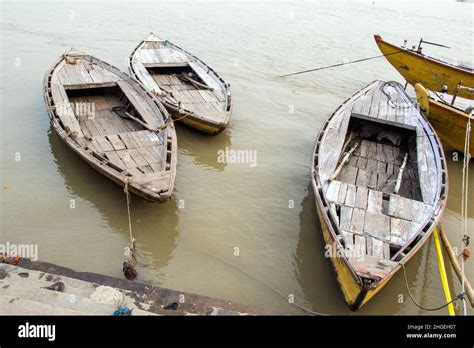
pixel 61 300
pixel 146 296
pixel 75 287
pixel 51 278
pixel 32 281
pixel 14 306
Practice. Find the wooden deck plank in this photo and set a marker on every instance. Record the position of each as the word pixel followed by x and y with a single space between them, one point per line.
pixel 138 102
pixel 371 266
pixel 377 225
pixel 346 217
pixel 374 202
pixel 332 192
pixel 362 163
pixel 116 142
pixel 363 177
pixel 341 198
pixel 348 239
pixel 400 207
pixel 377 248
pixel 364 145
pixel 358 219
pixel 360 246
pixel 350 195
pixel 64 111
pixel 375 103
pixel 361 197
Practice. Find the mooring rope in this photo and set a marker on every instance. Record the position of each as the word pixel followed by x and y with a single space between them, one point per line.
pixel 341 64
pixel 169 94
pixel 307 310
pixel 464 201
pixel 389 97
pixel 460 295
pixel 188 113
pixel 130 260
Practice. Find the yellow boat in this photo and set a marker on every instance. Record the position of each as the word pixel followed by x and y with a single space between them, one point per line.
pixel 449 116
pixel 433 73
pixel 380 184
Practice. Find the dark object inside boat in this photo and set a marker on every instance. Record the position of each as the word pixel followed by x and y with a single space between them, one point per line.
pixel 380 154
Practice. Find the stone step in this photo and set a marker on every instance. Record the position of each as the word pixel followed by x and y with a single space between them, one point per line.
pixel 117 291
pixel 75 288
pixel 13 306
pixel 60 300
pixel 33 281
pixel 51 278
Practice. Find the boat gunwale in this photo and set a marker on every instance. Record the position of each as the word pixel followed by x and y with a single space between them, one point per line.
pixel 103 166
pixel 434 60
pixel 446 105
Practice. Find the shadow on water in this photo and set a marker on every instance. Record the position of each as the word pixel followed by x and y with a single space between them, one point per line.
pixel 317 279
pixel 314 271
pixel 155 226
pixel 204 148
pixel 455 160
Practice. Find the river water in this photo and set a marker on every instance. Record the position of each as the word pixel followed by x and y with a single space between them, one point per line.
pixel 245 233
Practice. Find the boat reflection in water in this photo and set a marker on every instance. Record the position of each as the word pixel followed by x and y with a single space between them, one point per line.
pixel 155 227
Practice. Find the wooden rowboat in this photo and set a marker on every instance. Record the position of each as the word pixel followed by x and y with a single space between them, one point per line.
pixel 113 123
pixel 433 73
pixel 448 118
pixel 380 183
pixel 191 91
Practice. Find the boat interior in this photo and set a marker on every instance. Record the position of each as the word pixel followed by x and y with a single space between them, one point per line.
pixel 374 196
pixel 187 87
pixel 462 104
pixel 116 126
pixel 379 154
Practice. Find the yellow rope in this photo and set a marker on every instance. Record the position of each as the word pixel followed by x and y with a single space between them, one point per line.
pixel 442 272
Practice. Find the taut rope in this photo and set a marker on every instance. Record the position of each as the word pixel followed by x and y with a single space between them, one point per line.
pixel 460 295
pixel 464 201
pixel 130 260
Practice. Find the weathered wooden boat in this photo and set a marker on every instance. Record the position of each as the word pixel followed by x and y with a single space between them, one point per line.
pixel 380 183
pixel 113 123
pixel 433 73
pixel 191 91
pixel 449 115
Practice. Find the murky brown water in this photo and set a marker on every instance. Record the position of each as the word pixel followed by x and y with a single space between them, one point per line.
pixel 226 206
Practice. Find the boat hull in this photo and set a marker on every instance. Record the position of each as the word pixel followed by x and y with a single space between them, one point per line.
pixel 180 105
pixel 357 278
pixel 433 74
pixel 85 148
pixel 201 124
pixel 450 124
pixel 355 294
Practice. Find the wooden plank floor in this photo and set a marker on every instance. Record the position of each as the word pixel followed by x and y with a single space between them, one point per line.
pixel 371 218
pixel 122 141
pixel 192 98
pixel 376 166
